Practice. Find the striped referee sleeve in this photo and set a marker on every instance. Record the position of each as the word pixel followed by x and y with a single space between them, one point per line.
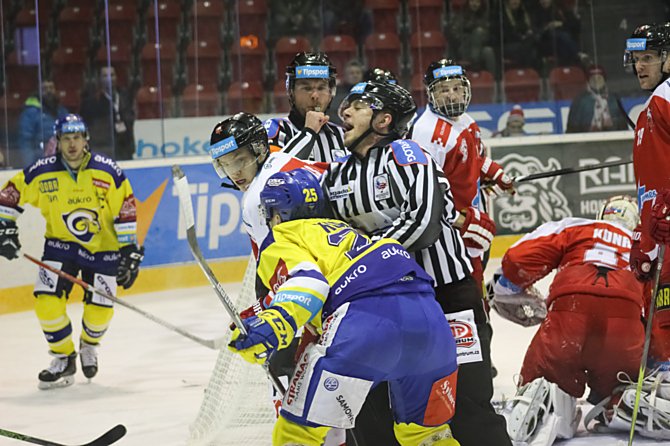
pixel 301 145
pixel 423 203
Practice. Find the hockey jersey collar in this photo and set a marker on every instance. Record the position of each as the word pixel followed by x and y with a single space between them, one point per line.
pixel 378 145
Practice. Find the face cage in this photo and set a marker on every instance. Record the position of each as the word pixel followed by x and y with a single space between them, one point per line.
pixel 450 110
pixel 373 102
pixel 256 148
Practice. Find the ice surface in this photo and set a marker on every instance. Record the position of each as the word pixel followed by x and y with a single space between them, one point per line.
pixel 152 380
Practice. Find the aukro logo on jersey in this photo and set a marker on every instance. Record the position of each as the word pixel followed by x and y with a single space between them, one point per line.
pixel 82 223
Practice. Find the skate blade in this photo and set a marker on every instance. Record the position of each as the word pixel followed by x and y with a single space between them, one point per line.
pixel 64 381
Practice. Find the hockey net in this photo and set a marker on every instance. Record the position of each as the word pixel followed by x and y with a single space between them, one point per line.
pixel 236 409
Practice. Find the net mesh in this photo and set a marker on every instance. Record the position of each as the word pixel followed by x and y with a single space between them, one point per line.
pixel 236 409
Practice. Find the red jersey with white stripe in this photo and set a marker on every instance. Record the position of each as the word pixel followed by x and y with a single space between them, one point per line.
pixel 577 247
pixel 456 146
pixel 651 155
pixel 253 214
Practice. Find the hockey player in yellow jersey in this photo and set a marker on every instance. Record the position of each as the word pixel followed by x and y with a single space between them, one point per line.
pixel 375 309
pixel 91 218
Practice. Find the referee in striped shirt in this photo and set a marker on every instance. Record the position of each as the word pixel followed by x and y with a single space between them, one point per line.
pixel 306 132
pixel 389 187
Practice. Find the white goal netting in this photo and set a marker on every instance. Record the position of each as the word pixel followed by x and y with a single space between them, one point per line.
pixel 236 409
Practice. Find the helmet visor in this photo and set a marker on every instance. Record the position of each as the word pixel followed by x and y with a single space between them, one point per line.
pixel 234 162
pixel 643 58
pixel 359 101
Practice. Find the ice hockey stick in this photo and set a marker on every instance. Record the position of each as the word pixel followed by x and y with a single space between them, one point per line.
pixel 111 436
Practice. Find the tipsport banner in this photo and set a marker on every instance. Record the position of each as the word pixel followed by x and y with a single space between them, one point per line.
pixel 161 228
pixel 554 198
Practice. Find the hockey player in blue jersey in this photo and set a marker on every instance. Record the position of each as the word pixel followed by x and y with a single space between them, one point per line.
pixel 375 309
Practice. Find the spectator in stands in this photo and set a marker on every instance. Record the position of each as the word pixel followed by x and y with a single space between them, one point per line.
pixel 36 123
pixel 347 17
pixel 515 123
pixel 471 29
pixel 97 104
pixel 295 18
pixel 596 110
pixel 353 74
pixel 517 33
pixel 557 29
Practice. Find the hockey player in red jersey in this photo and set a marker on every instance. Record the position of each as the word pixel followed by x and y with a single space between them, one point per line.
pixel 453 139
pixel 647 52
pixel 592 329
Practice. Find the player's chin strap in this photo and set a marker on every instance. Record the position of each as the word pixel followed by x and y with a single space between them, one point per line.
pixel 390 136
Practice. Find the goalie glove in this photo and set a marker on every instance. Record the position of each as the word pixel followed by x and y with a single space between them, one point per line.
pixel 496 181
pixel 9 239
pixel 478 229
pixel 271 330
pixel 525 307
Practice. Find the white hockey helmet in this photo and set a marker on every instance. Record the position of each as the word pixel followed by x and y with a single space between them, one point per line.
pixel 621 209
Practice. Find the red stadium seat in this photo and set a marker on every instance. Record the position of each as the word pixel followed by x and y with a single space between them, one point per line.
pixel 286 49
pixel 26 19
pixel 383 50
pixel 457 5
pixel 280 98
pixel 44 4
pixel 67 67
pixel 169 16
pixel 427 47
pixel 426 15
pixel 148 102
pixel 419 90
pixel 16 102
pixel 522 85
pixel 70 98
pixel 340 50
pixel 149 63
pixel 567 82
pixel 121 59
pixel 201 100
pixel 21 79
pixel 483 87
pixel 206 56
pixel 74 26
pixel 207 16
pixel 385 15
pixel 122 19
pixel 247 61
pixel 251 16
pixel 245 96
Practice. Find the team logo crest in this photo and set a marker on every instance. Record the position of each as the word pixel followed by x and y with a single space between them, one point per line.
pixel 82 223
pixel 280 276
pixel 463 335
pixel 535 202
pixel 464 150
pixel 382 190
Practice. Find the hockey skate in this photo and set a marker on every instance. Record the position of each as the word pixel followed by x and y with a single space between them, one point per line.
pixel 89 358
pixel 60 373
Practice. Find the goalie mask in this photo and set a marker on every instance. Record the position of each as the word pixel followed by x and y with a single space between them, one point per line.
pixel 294 195
pixel 448 88
pixel 621 209
pixel 644 38
pixel 237 143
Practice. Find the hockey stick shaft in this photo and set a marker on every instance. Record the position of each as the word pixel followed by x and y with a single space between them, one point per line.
pixel 109 437
pixel 184 193
pixel 213 344
pixel 647 341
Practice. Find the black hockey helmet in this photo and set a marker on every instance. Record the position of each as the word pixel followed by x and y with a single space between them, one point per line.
pixel 383 97
pixel 379 75
pixel 310 66
pixel 441 70
pixel 242 130
pixel 648 37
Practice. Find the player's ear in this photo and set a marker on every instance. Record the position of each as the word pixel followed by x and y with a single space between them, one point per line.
pixel 382 122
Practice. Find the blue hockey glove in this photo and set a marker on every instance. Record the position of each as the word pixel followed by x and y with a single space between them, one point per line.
pixel 270 331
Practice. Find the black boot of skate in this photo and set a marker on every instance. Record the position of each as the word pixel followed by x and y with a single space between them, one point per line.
pixel 60 373
pixel 89 358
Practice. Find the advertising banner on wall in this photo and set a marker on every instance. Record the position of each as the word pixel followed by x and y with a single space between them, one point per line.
pixel 218 215
pixel 554 198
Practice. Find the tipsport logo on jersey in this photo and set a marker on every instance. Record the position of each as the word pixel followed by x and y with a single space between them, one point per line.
pixel 82 223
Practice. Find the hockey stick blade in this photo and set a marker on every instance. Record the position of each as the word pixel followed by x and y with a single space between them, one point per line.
pixel 186 205
pixel 111 436
pixel 214 344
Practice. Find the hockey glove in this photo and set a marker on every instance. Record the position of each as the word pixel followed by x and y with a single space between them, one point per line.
pixel 478 229
pixel 525 307
pixel 643 264
pixel 253 310
pixel 659 223
pixel 129 265
pixel 270 331
pixel 496 181
pixel 9 239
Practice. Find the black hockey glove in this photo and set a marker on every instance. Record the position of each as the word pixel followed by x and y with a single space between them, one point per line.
pixel 9 239
pixel 129 265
